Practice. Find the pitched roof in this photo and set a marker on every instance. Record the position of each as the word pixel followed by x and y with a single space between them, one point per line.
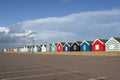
pixel 118 39
pixel 43 45
pixel 88 42
pixel 68 43
pixel 61 43
pixel 48 44
pixel 77 42
pixel 101 40
pixel 53 44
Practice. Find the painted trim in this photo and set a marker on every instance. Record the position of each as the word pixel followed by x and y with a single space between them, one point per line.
pixel 85 42
pixel 59 43
pixel 76 43
pixel 98 40
pixel 111 39
pixel 66 43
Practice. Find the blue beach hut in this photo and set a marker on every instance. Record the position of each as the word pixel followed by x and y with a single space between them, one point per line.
pixel 86 46
pixel 67 47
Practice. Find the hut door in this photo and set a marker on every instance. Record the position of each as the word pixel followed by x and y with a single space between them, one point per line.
pixel 97 47
pixel 84 48
pixel 58 47
pixel 53 49
pixel 75 47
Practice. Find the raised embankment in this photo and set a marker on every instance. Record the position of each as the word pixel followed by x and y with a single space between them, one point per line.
pixel 114 53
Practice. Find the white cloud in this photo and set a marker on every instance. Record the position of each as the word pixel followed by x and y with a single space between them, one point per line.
pixel 12 37
pixel 86 25
pixel 26 33
pixel 4 29
pixel 53 36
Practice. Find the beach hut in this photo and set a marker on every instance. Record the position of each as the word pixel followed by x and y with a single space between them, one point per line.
pixel 26 49
pixel 48 47
pixel 67 47
pixel 12 50
pixel 29 48
pixel 53 47
pixel 5 50
pixel 99 45
pixel 39 48
pixel 32 48
pixel 15 49
pixel 86 46
pixel 23 49
pixel 19 49
pixel 60 46
pixel 43 48
pixel 35 48
pixel 113 44
pixel 75 46
pixel 9 50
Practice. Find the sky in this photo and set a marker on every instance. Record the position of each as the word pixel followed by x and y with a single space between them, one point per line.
pixel 49 21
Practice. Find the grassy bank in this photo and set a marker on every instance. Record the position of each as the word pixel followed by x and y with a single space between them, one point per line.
pixel 75 53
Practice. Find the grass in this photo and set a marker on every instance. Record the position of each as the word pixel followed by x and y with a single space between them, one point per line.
pixel 117 53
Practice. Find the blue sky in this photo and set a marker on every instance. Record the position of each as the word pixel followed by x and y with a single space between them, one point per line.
pixel 13 11
pixel 50 21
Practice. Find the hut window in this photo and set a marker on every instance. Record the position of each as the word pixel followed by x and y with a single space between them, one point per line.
pixel 97 47
pixel 111 46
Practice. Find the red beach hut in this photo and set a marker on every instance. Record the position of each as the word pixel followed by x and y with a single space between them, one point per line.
pixel 60 46
pixel 99 45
